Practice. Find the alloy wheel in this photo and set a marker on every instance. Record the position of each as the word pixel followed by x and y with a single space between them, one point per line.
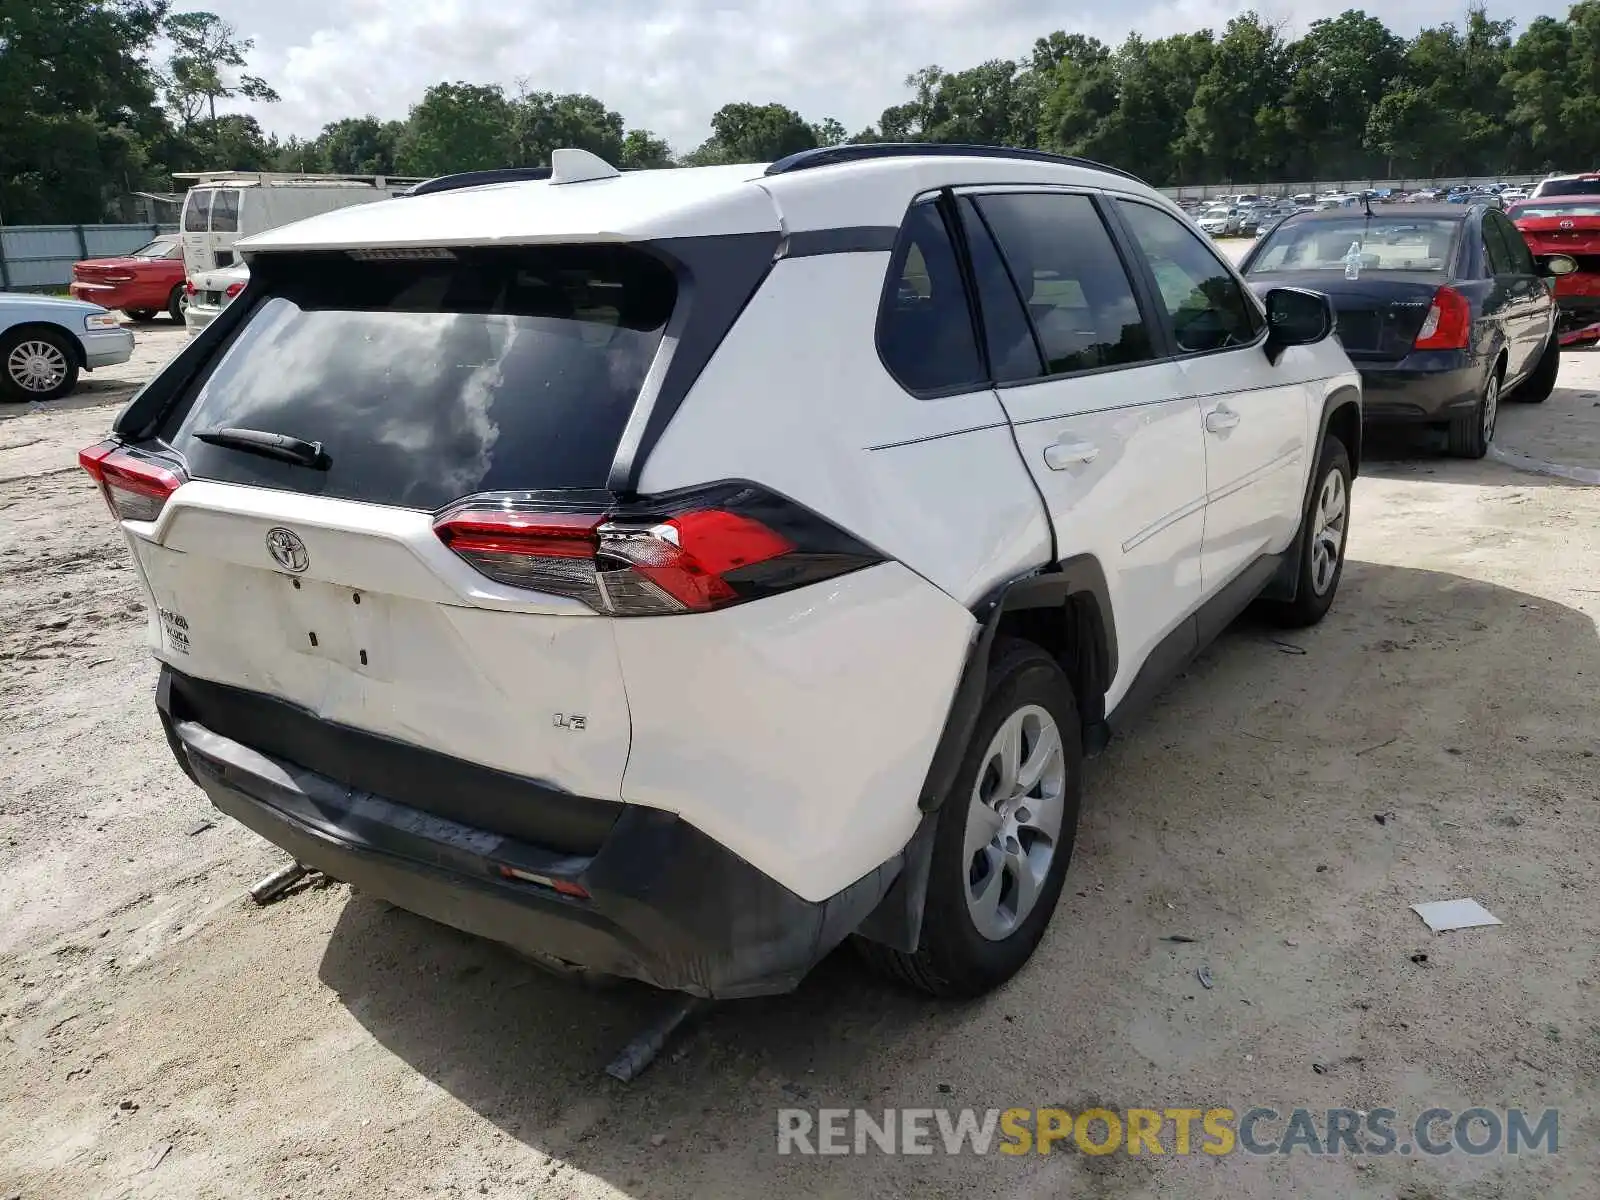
pixel 1014 821
pixel 1491 408
pixel 1327 537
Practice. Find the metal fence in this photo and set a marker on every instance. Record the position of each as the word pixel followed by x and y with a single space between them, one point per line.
pixel 39 258
pixel 1318 187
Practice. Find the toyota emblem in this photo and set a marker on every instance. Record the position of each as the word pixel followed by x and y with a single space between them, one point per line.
pixel 287 550
pixel 1566 224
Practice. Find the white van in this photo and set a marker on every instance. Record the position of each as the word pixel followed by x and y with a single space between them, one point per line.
pixel 224 206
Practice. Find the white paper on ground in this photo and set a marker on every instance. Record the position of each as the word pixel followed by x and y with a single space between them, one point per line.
pixel 1444 915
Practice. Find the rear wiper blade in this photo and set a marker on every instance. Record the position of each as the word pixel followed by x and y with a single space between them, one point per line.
pixel 280 446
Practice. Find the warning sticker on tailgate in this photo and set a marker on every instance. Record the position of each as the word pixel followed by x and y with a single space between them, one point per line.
pixel 176 628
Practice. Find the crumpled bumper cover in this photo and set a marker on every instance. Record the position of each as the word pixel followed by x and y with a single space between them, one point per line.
pixel 666 904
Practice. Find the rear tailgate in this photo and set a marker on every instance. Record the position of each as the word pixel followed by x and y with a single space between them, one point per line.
pixel 323 584
pixel 1563 229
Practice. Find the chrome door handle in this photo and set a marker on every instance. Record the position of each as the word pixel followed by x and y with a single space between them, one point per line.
pixel 1061 455
pixel 1221 419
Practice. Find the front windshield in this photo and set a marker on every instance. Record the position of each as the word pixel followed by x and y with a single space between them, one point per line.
pixel 1381 243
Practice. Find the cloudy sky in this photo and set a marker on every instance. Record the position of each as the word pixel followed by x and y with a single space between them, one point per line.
pixel 667 65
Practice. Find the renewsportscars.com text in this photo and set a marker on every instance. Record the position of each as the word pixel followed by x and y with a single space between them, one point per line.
pixel 1177 1131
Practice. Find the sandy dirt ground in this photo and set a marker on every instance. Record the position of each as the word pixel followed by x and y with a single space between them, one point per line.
pixel 161 1037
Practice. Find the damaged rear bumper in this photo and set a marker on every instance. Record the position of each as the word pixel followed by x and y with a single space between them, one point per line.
pixel 658 901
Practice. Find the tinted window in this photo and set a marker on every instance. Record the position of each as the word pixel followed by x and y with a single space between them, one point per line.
pixel 225 213
pixel 1497 253
pixel 1521 258
pixel 925 329
pixel 1071 280
pixel 1013 352
pixel 1207 305
pixel 429 380
pixel 197 210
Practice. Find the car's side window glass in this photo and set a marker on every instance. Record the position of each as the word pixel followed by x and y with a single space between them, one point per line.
pixel 225 212
pixel 925 329
pixel 1013 350
pixel 1071 280
pixel 1207 305
pixel 1518 255
pixel 1495 251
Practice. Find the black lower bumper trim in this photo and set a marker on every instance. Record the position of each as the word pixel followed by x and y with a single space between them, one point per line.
pixel 666 904
pixel 435 783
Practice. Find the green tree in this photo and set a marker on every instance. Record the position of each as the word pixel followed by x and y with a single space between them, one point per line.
pixel 206 66
pixel 457 127
pixel 1230 130
pixel 746 132
pixel 642 149
pixel 1338 72
pixel 77 106
pixel 542 122
pixel 360 146
pixel 829 132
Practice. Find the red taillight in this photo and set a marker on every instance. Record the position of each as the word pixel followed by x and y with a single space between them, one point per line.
pixel 188 287
pixel 233 290
pixel 1448 325
pixel 135 489
pixel 564 886
pixel 116 278
pixel 693 553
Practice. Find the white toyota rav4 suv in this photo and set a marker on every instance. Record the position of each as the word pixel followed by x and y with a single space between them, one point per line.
pixel 673 573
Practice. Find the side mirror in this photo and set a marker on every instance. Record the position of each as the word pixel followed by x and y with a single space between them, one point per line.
pixel 1560 264
pixel 1296 317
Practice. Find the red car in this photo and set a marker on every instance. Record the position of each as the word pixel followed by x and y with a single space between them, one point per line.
pixel 1567 225
pixel 148 281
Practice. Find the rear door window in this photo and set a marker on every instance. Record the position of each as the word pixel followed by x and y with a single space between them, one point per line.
pixel 1496 252
pixel 1071 280
pixel 197 210
pixel 225 212
pixel 427 380
pixel 925 328
pixel 1518 255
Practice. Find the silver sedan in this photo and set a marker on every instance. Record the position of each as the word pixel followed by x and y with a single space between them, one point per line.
pixel 45 342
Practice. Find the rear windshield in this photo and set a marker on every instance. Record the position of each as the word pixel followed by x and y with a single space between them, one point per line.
pixel 1569 187
pixel 1381 243
pixel 428 380
pixel 1555 208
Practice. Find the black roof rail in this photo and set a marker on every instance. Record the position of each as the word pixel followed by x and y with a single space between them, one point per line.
pixel 828 156
pixel 467 179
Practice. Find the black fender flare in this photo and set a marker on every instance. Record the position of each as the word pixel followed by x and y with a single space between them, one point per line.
pixel 897 920
pixel 1285 583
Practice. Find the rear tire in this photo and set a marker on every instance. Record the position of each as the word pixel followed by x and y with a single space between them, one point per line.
pixel 1324 533
pixel 1469 434
pixel 175 303
pixel 1538 386
pixel 1003 838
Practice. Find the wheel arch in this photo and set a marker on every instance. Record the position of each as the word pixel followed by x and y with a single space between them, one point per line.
pixel 1066 610
pixel 72 339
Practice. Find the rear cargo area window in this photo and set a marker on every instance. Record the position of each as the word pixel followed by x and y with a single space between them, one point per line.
pixel 427 379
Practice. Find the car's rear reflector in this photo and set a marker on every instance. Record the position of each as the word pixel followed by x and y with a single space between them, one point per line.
pixel 134 488
pixel 1448 325
pixel 692 552
pixel 233 289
